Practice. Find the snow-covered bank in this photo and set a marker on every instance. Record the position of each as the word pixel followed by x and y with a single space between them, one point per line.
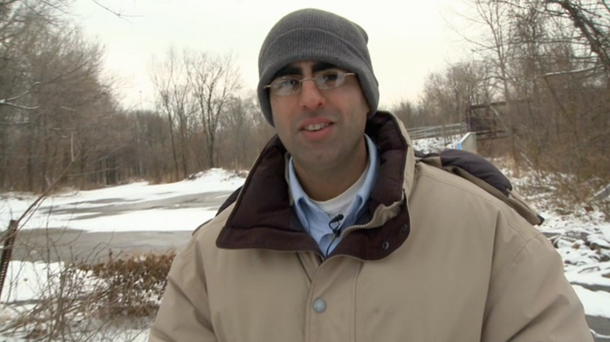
pixel 62 210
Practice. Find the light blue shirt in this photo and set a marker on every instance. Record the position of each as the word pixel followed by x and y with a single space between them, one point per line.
pixel 315 221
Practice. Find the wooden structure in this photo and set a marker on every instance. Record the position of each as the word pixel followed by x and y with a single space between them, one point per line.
pixel 486 120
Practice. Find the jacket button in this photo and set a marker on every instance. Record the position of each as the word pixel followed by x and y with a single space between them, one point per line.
pixel 385 246
pixel 319 305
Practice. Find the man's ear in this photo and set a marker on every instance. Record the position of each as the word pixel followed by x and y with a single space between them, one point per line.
pixel 366 102
pixel 272 123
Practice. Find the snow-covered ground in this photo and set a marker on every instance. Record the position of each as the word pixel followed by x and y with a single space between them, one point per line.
pixel 27 281
pixel 12 205
pixel 581 236
pixel 430 145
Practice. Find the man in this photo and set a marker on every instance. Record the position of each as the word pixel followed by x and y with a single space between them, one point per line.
pixel 339 234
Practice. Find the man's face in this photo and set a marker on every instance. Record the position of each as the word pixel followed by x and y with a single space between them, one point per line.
pixel 321 128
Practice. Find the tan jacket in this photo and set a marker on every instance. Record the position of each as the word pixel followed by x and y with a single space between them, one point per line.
pixel 447 262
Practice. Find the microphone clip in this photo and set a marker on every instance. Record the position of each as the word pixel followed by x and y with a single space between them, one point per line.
pixel 335 224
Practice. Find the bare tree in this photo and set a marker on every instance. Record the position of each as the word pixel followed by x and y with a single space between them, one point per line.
pixel 173 100
pixel 213 80
pixel 592 19
pixel 549 61
pixel 53 100
pixel 243 134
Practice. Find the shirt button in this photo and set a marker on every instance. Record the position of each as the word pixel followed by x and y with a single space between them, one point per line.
pixel 319 305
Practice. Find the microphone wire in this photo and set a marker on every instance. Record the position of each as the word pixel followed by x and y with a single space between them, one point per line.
pixel 335 226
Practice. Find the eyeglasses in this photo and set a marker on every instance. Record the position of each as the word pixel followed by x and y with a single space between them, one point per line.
pixel 326 79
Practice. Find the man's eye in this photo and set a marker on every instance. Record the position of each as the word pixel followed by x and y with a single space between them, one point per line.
pixel 330 76
pixel 287 83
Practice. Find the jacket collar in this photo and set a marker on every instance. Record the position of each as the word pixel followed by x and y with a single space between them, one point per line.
pixel 263 218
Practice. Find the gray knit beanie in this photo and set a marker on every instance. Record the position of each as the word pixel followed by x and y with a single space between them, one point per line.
pixel 316 35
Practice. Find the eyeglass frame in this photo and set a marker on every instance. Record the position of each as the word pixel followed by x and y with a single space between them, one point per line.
pixel 319 74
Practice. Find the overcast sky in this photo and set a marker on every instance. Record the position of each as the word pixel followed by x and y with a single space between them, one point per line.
pixel 407 39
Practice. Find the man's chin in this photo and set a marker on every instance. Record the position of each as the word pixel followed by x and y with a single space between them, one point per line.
pixel 316 161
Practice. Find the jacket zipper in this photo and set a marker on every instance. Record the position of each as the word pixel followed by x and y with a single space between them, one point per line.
pixel 349 229
pixel 318 260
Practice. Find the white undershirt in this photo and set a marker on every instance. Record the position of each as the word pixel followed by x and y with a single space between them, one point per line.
pixel 341 203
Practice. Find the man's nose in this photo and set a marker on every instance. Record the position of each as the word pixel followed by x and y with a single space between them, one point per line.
pixel 310 96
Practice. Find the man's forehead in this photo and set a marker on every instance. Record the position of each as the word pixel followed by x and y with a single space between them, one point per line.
pixel 299 68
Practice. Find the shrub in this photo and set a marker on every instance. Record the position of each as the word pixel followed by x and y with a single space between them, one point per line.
pixel 133 286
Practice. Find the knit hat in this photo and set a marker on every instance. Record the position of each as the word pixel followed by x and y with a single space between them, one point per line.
pixel 316 35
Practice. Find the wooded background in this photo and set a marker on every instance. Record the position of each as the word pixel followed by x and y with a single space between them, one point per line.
pixel 547 61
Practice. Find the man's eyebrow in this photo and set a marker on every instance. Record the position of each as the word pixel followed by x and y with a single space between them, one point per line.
pixel 322 66
pixel 288 70
pixel 291 70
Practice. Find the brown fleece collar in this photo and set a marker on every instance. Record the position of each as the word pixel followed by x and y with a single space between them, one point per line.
pixel 262 217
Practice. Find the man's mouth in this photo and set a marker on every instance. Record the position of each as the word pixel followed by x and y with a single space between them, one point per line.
pixel 315 127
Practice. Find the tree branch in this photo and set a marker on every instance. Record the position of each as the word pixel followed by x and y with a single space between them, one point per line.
pixel 4 103
pixel 605 4
pixel 7 102
pixel 570 72
pixel 118 14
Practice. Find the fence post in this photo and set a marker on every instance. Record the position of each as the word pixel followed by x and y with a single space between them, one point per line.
pixel 7 251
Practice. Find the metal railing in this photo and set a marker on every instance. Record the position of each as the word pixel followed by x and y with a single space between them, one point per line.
pixel 437 131
pixel 468 142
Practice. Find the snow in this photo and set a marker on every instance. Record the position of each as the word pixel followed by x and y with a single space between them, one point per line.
pixel 149 220
pixel 29 280
pixel 581 234
pixel 596 303
pixel 32 281
pixel 434 145
pixel 59 210
pixel 593 278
